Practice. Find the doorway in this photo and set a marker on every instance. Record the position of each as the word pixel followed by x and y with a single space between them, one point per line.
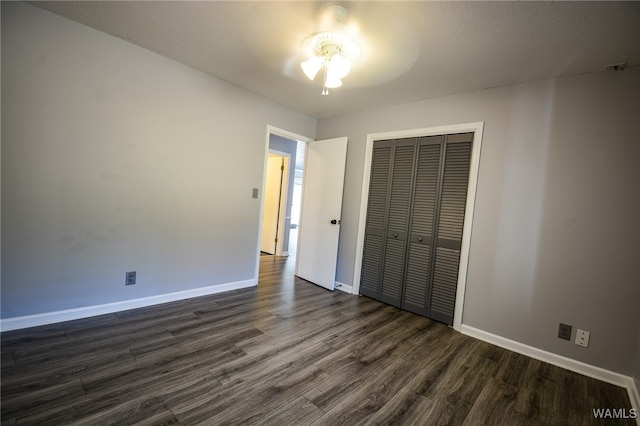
pixel 284 143
pixel 316 254
pixel 274 203
pixel 283 188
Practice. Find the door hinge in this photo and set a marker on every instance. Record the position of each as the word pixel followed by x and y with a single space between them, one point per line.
pixel 282 167
pixel 275 241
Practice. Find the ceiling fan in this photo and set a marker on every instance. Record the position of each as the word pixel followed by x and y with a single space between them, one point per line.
pixel 302 40
pixel 331 50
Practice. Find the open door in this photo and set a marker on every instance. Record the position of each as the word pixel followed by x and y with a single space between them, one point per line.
pixel 323 184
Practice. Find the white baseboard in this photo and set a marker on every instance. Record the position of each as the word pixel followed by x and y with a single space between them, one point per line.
pixel 344 287
pixel 16 323
pixel 558 360
pixel 634 397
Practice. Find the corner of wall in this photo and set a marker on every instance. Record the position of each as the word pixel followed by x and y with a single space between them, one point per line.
pixel 579 367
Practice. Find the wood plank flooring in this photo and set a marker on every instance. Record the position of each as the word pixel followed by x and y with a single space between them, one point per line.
pixel 284 353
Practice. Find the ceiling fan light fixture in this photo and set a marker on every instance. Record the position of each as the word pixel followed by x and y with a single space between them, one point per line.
pixel 333 51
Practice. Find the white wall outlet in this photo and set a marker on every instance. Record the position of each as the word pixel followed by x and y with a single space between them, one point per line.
pixel 582 338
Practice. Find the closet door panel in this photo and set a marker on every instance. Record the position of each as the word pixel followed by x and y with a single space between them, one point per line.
pixel 455 182
pixel 371 265
pixel 393 272
pixel 372 257
pixel 426 186
pixel 417 278
pixel 415 297
pixel 445 281
pixel 399 201
pixel 398 212
pixel 454 191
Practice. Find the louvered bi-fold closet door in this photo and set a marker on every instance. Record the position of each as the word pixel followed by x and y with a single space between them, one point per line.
pixel 414 223
pixel 423 222
pixel 400 196
pixel 378 202
pixel 390 194
pixel 454 184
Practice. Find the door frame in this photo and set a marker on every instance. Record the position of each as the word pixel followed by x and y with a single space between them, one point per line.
pixel 271 130
pixel 477 129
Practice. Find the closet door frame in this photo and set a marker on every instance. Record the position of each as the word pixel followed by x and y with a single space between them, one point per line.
pixel 477 129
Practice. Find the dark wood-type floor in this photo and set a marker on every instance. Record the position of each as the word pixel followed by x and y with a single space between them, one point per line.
pixel 284 353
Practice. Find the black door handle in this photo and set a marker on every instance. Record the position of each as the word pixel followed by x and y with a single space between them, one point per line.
pixel 335 221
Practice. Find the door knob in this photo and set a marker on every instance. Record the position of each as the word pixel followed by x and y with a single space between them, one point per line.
pixel 335 222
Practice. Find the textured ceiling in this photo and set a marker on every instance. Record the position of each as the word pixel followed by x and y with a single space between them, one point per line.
pixel 441 48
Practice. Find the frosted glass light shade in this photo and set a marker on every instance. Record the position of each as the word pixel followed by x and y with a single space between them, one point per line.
pixel 312 66
pixel 339 66
pixel 332 82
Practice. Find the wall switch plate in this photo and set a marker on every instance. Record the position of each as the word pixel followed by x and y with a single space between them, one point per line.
pixel 564 331
pixel 130 278
pixel 582 338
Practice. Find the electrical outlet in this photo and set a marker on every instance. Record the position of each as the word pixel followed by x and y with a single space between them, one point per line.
pixel 130 278
pixel 582 338
pixel 564 332
pixel 254 193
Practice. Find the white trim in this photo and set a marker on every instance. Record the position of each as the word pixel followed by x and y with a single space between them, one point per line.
pixel 271 130
pixel 8 324
pixel 362 220
pixel 467 227
pixel 551 358
pixel 477 128
pixel 344 287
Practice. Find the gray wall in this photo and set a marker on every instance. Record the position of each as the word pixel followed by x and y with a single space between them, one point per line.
pixel 556 228
pixel 289 146
pixel 116 159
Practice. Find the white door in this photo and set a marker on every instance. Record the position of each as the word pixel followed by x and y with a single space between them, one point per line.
pixel 323 183
pixel 272 191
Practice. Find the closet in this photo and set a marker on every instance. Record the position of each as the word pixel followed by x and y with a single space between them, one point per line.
pixel 415 214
